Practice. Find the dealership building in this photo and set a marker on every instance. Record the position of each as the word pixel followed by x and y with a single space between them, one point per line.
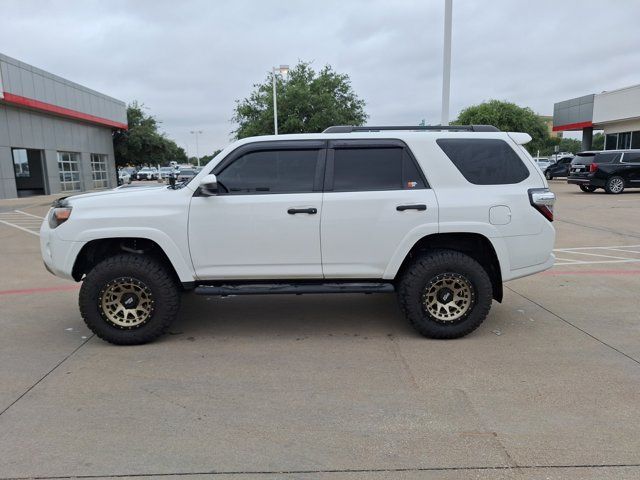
pixel 55 135
pixel 616 112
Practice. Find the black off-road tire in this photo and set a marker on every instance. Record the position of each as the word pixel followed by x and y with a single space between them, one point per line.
pixel 612 185
pixel 138 268
pixel 435 264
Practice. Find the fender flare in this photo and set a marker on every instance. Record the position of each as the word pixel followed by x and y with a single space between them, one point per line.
pixel 182 266
pixel 420 232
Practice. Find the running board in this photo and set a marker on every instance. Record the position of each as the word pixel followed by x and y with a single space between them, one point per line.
pixel 293 288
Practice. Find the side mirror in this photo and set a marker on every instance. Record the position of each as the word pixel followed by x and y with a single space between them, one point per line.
pixel 209 185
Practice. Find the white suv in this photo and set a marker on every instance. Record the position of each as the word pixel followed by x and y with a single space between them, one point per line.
pixel 440 215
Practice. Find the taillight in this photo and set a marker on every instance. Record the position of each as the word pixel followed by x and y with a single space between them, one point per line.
pixel 542 199
pixel 593 167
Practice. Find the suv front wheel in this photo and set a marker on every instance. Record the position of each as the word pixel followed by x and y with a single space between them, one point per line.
pixel 445 294
pixel 588 188
pixel 129 299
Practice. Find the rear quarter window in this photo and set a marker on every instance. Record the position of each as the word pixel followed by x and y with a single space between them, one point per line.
pixel 484 161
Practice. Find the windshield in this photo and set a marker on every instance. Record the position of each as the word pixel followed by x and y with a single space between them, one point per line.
pixel 187 172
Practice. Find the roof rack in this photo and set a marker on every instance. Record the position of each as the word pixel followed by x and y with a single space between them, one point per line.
pixel 448 128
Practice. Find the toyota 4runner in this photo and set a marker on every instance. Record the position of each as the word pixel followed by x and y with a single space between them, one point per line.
pixel 440 215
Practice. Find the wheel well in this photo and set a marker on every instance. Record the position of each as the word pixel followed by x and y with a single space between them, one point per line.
pixel 96 251
pixel 474 245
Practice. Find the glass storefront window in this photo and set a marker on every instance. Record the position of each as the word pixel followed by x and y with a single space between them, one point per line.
pixel 99 170
pixel 611 141
pixel 21 163
pixel 69 167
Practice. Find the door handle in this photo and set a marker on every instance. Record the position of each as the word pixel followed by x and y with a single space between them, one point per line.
pixel 310 211
pixel 402 208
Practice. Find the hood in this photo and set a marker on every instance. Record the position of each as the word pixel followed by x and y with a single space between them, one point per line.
pixel 115 193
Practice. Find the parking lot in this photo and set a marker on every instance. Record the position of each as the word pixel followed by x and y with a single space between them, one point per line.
pixel 334 386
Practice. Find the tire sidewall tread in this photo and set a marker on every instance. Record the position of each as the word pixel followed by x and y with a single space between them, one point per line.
pixel 147 269
pixel 425 267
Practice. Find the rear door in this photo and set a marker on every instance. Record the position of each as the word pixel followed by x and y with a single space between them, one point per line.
pixel 374 196
pixel 631 161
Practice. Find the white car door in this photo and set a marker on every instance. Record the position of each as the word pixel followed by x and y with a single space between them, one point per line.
pixel 375 195
pixel 265 221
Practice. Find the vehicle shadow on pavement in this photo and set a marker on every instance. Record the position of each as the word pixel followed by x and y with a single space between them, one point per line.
pixel 290 316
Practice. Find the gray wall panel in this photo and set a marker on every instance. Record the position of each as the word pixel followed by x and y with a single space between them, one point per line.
pixel 26 80
pixel 53 174
pixel 4 71
pixel 50 90
pixel 27 130
pixel 38 85
pixel 7 178
pixel 4 128
pixel 14 80
pixel 6 164
pixel 48 130
pixel 61 94
pixel 38 131
pixel 15 132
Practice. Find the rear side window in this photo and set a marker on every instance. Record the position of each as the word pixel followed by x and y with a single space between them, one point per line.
pixel 606 157
pixel 484 161
pixel 633 157
pixel 375 168
pixel 271 171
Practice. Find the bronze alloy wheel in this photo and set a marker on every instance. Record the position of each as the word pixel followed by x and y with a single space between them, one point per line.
pixel 448 297
pixel 126 303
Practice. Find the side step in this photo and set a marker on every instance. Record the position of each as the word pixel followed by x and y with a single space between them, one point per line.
pixel 293 288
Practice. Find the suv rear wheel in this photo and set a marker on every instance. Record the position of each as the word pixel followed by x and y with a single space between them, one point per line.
pixel 129 299
pixel 548 175
pixel 588 188
pixel 445 294
pixel 614 184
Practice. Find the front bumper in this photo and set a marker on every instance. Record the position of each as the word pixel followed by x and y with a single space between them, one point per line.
pixel 58 255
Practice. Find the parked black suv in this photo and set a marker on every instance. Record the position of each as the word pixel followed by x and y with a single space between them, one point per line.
pixel 558 169
pixel 613 170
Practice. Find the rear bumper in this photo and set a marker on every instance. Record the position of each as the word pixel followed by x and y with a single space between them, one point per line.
pixel 526 271
pixel 596 182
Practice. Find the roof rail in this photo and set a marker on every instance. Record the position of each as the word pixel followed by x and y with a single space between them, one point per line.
pixel 448 128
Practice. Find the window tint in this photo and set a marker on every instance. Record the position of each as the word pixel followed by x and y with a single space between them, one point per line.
pixel 271 171
pixel 631 157
pixel 606 157
pixel 375 168
pixel 484 161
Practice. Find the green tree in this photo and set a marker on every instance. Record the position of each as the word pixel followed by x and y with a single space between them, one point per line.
pixel 598 141
pixel 508 117
pixel 142 143
pixel 308 102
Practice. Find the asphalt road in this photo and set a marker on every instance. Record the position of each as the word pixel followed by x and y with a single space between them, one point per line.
pixel 334 386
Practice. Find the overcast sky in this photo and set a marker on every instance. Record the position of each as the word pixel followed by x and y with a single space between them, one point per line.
pixel 188 61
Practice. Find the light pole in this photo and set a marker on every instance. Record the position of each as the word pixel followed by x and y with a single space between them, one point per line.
pixel 446 62
pixel 196 133
pixel 283 70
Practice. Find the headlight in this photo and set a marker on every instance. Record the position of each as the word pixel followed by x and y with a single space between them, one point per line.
pixel 58 216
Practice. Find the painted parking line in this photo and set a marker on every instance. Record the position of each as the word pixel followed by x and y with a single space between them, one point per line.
pixel 29 291
pixel 591 272
pixel 26 222
pixel 597 255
